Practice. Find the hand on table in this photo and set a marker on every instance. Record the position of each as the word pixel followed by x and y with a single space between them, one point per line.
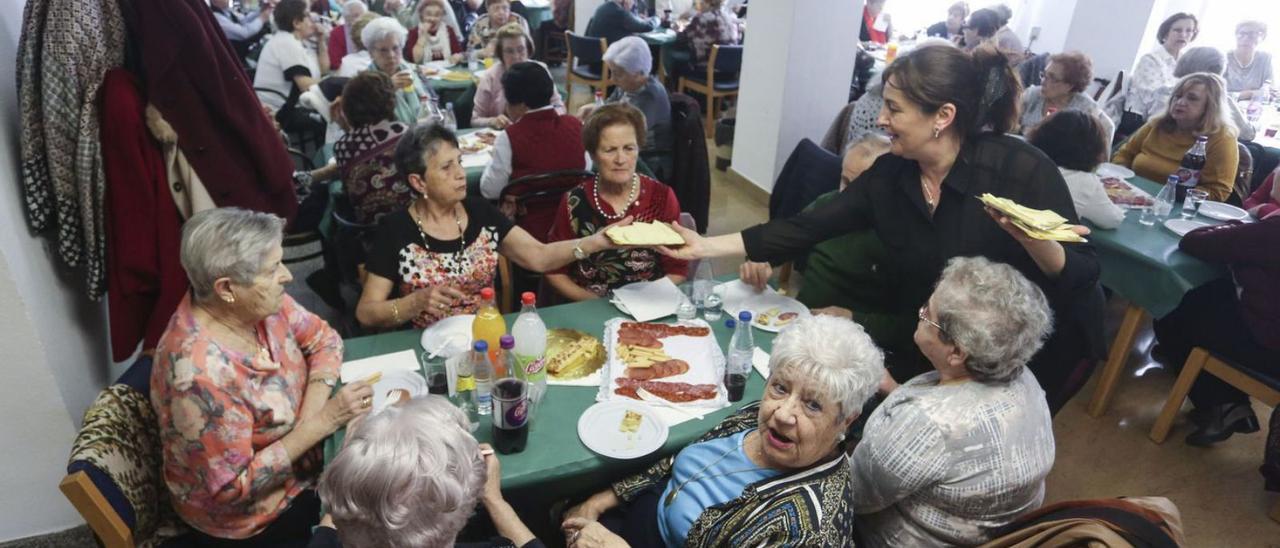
pixel 837 311
pixel 582 533
pixel 755 274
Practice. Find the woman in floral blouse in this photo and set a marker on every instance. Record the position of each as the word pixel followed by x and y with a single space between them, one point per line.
pixel 613 136
pixel 713 25
pixel 241 388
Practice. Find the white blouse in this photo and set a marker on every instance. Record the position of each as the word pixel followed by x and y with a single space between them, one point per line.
pixel 1153 73
pixel 1090 198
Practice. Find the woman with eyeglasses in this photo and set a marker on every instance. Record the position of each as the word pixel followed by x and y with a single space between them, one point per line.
pixel 1247 68
pixel 954 454
pixel 1062 88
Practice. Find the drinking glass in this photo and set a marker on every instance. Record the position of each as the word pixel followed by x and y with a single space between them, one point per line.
pixel 1147 216
pixel 686 310
pixel 436 372
pixel 1191 204
pixel 713 307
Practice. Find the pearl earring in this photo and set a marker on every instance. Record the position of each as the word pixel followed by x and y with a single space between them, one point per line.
pixel 936 132
pixel 229 299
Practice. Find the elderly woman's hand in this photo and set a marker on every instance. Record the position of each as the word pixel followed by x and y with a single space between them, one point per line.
pixel 500 121
pixel 351 401
pixel 581 533
pixel 600 241
pixel 402 79
pixel 435 299
pixel 755 274
pixel 493 477
pixel 837 311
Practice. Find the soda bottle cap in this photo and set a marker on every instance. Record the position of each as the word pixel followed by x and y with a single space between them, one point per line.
pixel 507 341
pixel 486 293
pixel 744 316
pixel 730 323
pixel 528 297
pixel 481 346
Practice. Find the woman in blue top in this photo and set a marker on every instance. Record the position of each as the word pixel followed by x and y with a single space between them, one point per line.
pixel 773 474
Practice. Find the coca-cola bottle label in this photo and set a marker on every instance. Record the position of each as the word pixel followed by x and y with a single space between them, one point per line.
pixel 1187 177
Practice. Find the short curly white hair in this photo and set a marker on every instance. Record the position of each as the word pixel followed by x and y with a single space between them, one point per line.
pixel 836 353
pixel 379 29
pixel 631 54
pixel 408 476
pixel 994 314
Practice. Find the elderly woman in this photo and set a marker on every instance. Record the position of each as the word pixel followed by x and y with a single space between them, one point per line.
pixel 498 14
pixel 981 28
pixel 430 261
pixel 952 455
pixel 241 387
pixel 1248 69
pixel 1197 107
pixel 613 136
pixel 385 489
pixel 773 474
pixel 615 20
pixel 344 38
pixel 713 25
pixel 287 67
pixel 1077 142
pixel 953 28
pixel 373 190
pixel 357 60
pixel 630 63
pixel 1155 69
pixel 946 113
pixel 1062 88
pixel 511 46
pixel 541 140
pixel 1212 61
pixel 384 38
pixel 436 37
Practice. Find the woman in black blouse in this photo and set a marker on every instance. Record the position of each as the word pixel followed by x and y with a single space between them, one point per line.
pixel 946 112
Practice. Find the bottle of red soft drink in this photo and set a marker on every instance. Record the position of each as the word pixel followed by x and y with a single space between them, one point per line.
pixel 1193 161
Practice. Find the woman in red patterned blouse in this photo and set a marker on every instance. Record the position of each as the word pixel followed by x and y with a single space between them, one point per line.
pixel 613 135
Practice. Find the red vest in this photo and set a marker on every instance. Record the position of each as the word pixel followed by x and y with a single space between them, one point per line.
pixel 545 141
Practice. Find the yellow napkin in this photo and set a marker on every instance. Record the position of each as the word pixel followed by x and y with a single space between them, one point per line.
pixel 1041 224
pixel 642 233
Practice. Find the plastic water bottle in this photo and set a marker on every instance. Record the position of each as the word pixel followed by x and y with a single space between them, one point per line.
pixel 483 371
pixel 1163 204
pixel 531 348
pixel 742 347
pixel 448 119
pixel 467 391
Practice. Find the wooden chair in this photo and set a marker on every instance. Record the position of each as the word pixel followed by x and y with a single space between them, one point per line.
pixel 102 518
pixel 1244 173
pixel 726 62
pixel 584 54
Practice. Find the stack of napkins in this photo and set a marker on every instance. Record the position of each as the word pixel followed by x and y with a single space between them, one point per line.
pixel 1041 224
pixel 650 300
pixel 642 233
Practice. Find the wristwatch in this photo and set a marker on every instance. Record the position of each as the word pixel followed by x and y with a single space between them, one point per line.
pixel 578 253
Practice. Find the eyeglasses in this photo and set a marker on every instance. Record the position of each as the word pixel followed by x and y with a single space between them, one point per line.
pixel 924 317
pixel 1251 34
pixel 1050 77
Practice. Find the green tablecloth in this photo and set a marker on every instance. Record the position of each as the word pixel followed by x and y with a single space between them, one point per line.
pixel 555 459
pixel 1143 263
pixel 660 37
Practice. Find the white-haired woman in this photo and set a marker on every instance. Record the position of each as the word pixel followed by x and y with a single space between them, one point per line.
pixel 437 36
pixel 384 37
pixel 952 455
pixel 773 474
pixel 241 387
pixel 409 477
pixel 630 63
pixel 343 39
pixel 1248 69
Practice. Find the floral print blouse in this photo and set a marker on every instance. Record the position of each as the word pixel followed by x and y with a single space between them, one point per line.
pixel 222 414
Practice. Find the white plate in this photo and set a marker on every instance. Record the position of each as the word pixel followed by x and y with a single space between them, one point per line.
pixel 1182 226
pixel 765 302
pixel 598 430
pixel 1114 170
pixel 1223 212
pixel 411 381
pixel 457 327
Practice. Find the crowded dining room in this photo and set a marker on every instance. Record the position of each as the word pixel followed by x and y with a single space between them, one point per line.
pixel 505 273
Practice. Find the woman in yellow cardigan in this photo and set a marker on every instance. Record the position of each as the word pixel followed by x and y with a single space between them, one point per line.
pixel 1196 107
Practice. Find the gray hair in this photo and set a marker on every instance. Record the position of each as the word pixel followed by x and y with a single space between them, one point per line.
pixel 379 29
pixel 630 54
pixel 227 242
pixel 350 9
pixel 407 476
pixel 834 352
pixel 994 314
pixel 1200 59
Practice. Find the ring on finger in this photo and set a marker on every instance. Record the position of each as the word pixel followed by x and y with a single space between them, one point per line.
pixel 574 537
pixel 366 402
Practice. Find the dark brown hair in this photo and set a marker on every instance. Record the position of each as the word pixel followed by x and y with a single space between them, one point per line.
pixel 1167 25
pixel 369 98
pixel 612 114
pixel 980 84
pixel 1077 69
pixel 985 22
pixel 289 11
pixel 1072 139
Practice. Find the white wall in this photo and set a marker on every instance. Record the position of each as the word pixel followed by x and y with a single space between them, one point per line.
pixel 797 67
pixel 582 12
pixel 53 349
pixel 1053 17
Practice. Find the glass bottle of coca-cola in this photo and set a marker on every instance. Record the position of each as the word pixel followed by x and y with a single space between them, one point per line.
pixel 1193 161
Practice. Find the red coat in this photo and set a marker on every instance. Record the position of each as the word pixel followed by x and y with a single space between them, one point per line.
pixel 338 46
pixel 455 44
pixel 545 141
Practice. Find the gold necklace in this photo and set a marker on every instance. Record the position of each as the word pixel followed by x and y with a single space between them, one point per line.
pixel 462 236
pixel 262 357
pixel 698 476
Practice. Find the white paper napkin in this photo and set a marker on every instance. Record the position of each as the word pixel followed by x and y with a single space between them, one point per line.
pixel 760 361
pixel 734 293
pixel 647 301
pixel 404 360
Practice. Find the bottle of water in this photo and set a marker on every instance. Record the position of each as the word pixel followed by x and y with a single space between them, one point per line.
pixel 483 371
pixel 742 347
pixel 531 348
pixel 450 121
pixel 1164 200
pixel 467 390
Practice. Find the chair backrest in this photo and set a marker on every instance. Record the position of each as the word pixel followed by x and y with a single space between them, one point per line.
pixel 1102 87
pixel 531 200
pixel 373 185
pixel 725 59
pixel 464 105
pixel 1244 172
pixel 810 171
pixel 1119 85
pixel 586 50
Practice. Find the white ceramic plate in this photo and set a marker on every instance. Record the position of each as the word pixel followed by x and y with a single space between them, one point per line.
pixel 457 329
pixel 1114 170
pixel 1223 212
pixel 771 302
pixel 598 430
pixel 410 381
pixel 1182 226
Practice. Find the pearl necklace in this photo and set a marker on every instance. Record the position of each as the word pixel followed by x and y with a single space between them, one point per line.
pixel 631 197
